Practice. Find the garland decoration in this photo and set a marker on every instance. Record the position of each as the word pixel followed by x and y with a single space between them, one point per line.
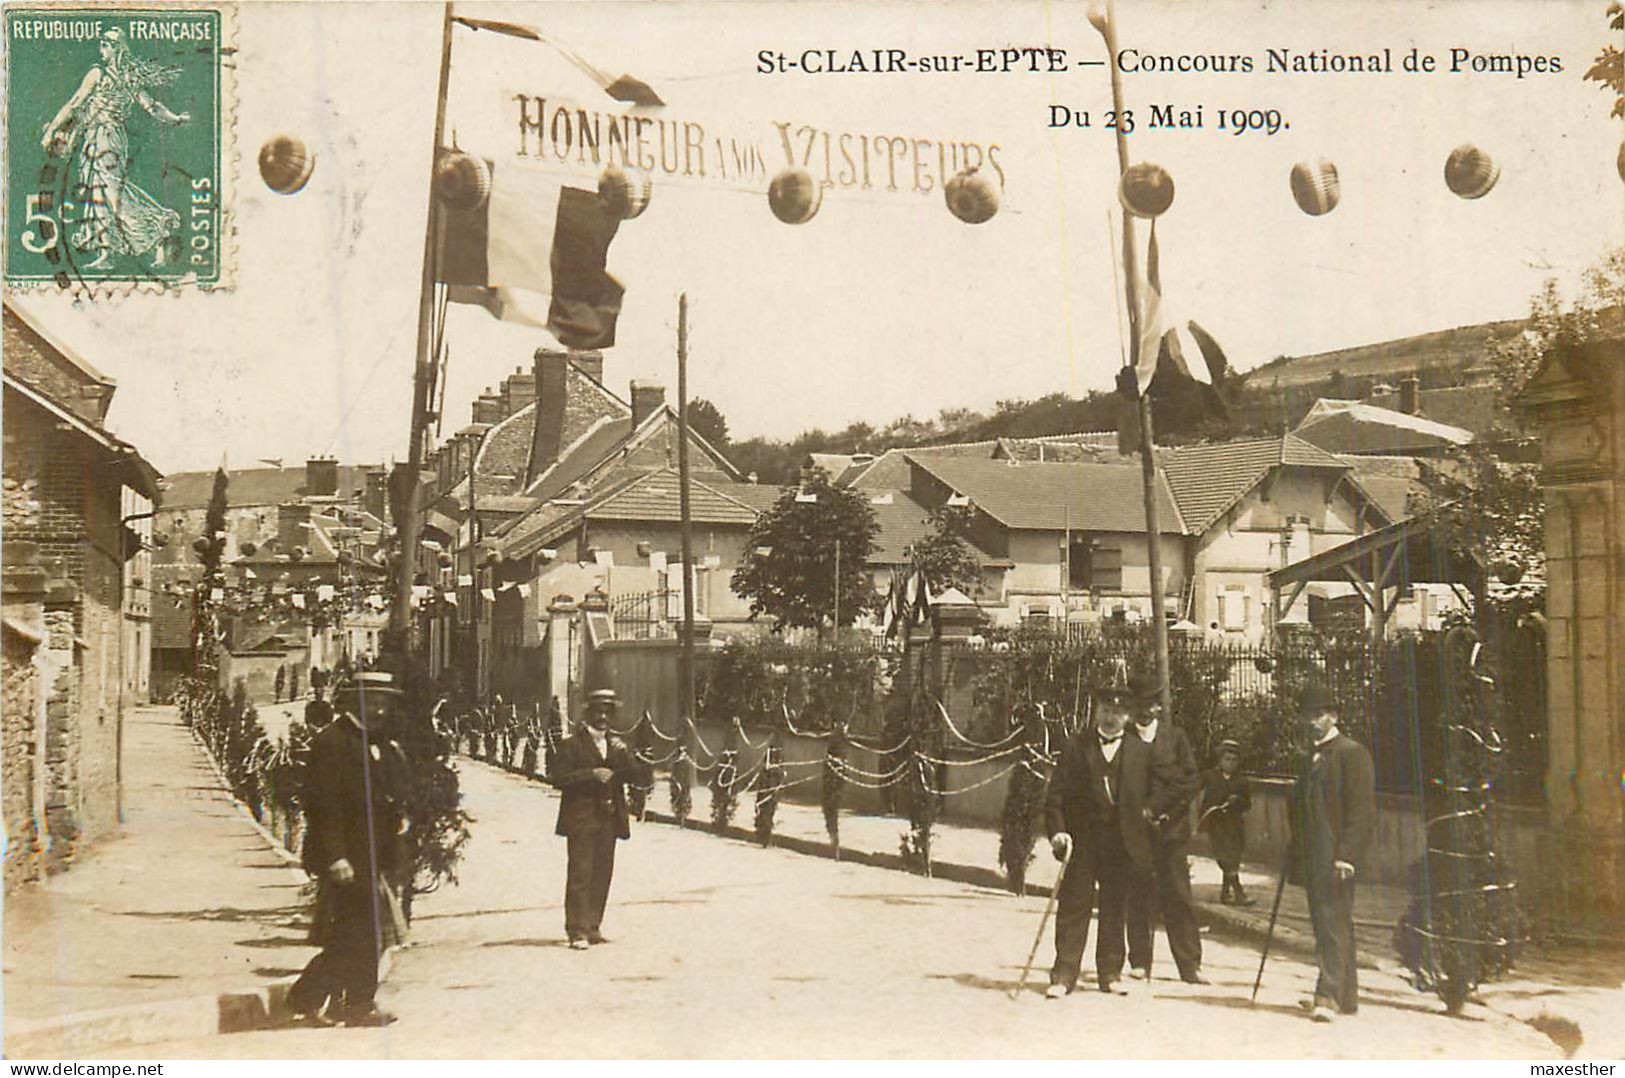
pixel 834 786
pixel 769 781
pixel 680 784
pixel 1023 800
pixel 724 791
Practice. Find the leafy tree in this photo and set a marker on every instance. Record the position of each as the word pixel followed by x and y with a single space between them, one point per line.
pixel 1609 67
pixel 791 577
pixel 705 419
pixel 210 548
pixel 947 560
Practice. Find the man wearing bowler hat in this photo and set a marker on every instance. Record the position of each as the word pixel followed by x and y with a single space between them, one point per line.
pixel 1095 811
pixel 356 813
pixel 1334 812
pixel 591 768
pixel 1174 784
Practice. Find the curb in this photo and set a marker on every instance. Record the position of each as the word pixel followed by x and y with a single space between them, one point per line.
pixel 231 1011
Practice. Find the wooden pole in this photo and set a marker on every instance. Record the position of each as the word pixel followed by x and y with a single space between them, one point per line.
pixel 683 506
pixel 1148 463
pixel 406 520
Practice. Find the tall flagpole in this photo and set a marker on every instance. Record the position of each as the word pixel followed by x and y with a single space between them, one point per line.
pixel 683 507
pixel 406 519
pixel 1148 463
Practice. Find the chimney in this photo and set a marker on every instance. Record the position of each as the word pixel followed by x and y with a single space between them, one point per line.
pixel 321 476
pixel 647 399
pixel 1408 394
pixel 377 494
pixel 518 390
pixel 488 409
pixel 591 363
pixel 552 391
pixel 290 527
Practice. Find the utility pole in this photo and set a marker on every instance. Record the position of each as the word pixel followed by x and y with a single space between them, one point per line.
pixel 406 521
pixel 683 506
pixel 837 591
pixel 1148 464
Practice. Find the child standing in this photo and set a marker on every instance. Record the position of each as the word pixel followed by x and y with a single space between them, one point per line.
pixel 1225 801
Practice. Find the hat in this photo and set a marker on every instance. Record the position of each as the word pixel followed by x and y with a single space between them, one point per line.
pixel 1145 688
pixel 1316 699
pixel 1112 694
pixel 1230 744
pixel 369 683
pixel 603 696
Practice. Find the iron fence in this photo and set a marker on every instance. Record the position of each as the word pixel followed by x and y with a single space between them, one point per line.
pixel 643 616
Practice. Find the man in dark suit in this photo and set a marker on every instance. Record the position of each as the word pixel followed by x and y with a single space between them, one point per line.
pixel 591 768
pixel 1334 813
pixel 1174 784
pixel 355 801
pixel 1095 810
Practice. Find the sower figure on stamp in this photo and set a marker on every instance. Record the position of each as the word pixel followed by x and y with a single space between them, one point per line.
pixel 355 806
pixel 1174 783
pixel 1225 801
pixel 592 769
pixel 1334 812
pixel 1096 809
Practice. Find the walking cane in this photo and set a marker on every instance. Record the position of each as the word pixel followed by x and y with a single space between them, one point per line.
pixel 1049 908
pixel 1269 935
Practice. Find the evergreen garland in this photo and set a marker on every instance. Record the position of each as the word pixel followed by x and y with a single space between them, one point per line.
pixel 834 786
pixel 769 779
pixel 555 735
pixel 680 784
pixel 724 778
pixel 643 773
pixel 921 778
pixel 1023 800
pixel 1462 926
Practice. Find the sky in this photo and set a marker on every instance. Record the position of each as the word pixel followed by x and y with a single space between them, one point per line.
pixel 884 304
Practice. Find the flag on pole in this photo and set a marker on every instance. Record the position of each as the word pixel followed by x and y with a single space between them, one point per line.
pixel 535 252
pixel 1165 343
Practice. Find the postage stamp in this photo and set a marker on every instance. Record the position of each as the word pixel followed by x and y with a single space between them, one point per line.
pixel 118 146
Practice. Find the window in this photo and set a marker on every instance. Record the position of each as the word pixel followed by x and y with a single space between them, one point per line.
pixel 1079 565
pixel 1106 568
pixel 1233 608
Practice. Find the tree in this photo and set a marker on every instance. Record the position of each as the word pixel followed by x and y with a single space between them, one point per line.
pixel 705 419
pixel 1609 67
pixel 945 558
pixel 210 547
pixel 790 574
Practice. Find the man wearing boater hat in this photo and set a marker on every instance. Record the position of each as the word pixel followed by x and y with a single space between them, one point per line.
pixel 1334 812
pixel 1174 784
pixel 356 818
pixel 1096 811
pixel 591 768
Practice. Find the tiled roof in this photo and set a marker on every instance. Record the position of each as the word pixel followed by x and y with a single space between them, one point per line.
pixel 256 486
pixel 505 449
pixel 1051 497
pixel 653 497
pixel 890 470
pixel 590 450
pixel 1098 447
pixel 1389 493
pixel 171 621
pixel 903 522
pixel 1344 427
pixel 1208 479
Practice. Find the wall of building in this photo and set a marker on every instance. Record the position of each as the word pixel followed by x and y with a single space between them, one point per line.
pixel 1036 579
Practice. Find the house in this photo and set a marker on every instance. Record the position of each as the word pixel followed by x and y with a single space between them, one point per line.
pixel 75 600
pixel 1061 541
pixel 573 488
pixel 1342 426
pixel 303 554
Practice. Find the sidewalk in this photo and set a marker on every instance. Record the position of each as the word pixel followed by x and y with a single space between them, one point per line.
pixel 180 923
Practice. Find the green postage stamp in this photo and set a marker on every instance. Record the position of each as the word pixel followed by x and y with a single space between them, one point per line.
pixel 118 155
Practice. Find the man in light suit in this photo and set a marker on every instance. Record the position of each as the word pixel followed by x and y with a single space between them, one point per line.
pixel 591 768
pixel 1096 811
pixel 1334 813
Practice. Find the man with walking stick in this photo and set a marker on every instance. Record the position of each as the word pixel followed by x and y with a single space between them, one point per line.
pixel 1095 813
pixel 1334 812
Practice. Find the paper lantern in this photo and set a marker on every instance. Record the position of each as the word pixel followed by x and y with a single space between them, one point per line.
pixel 972 195
pixel 794 196
pixel 1508 572
pixel 1265 663
pixel 1315 187
pixel 345 557
pixel 444 560
pixel 461 181
pixel 296 554
pixel 160 540
pixel 200 545
pixel 249 550
pixel 625 192
pixel 286 164
pixel 1470 172
pixel 1146 190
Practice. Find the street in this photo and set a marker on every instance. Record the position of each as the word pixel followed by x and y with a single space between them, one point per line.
pixel 722 949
